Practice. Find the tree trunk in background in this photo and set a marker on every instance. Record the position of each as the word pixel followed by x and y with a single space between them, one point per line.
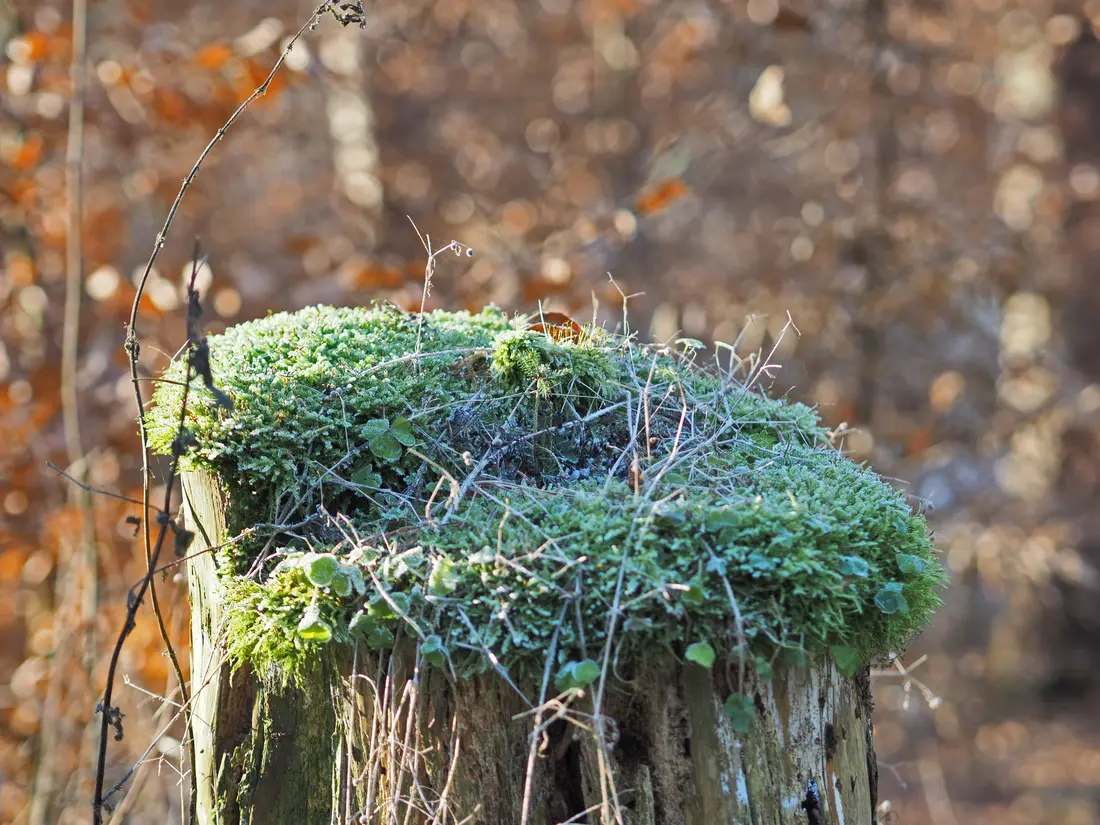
pixel 377 738
pixel 1074 619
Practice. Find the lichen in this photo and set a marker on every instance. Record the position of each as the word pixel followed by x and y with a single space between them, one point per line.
pixel 489 488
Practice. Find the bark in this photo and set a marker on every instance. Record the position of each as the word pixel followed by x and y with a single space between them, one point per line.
pixel 379 740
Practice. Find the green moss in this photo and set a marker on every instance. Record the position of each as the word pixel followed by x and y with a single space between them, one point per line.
pixel 477 481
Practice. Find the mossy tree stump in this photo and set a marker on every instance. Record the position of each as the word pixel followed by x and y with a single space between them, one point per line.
pixel 467 568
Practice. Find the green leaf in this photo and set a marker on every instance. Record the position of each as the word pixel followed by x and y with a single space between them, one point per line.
pixel 701 653
pixel 380 610
pixel 402 563
pixel 444 576
pixel 341 583
pixel 577 674
pixel 674 515
pixel 376 427
pixel 763 668
pixel 402 430
pixel 321 568
pixel 719 517
pixel 362 626
pixel 853 566
pixel 674 479
pixel 890 599
pixel 693 595
pixel 355 574
pixel 434 651
pixel 367 477
pixel 847 659
pixel 379 638
pixel 386 447
pixel 312 628
pixel 486 555
pixel 637 623
pixel 740 710
pixel 911 564
pixel 586 672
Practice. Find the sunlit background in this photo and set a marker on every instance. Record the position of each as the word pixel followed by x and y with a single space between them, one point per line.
pixel 900 198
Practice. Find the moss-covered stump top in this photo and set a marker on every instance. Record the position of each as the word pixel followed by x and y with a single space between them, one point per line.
pixel 488 485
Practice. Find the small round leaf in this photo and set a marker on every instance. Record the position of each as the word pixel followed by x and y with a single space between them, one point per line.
pixel 911 565
pixel 386 447
pixel 847 659
pixel 890 600
pixel 312 627
pixel 402 430
pixel 701 653
pixel 444 577
pixel 321 568
pixel 740 710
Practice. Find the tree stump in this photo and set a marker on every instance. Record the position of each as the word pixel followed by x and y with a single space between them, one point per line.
pixel 489 570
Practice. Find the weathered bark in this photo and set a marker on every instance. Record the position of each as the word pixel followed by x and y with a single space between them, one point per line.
pixel 377 740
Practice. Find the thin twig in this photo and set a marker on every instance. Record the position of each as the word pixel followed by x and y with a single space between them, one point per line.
pixel 532 751
pixel 90 489
pixel 108 712
pixel 133 349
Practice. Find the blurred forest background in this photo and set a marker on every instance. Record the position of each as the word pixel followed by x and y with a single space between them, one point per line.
pixel 917 182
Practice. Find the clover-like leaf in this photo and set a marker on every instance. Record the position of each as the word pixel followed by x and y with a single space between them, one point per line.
pixel 321 568
pixel 386 447
pixel 379 638
pixel 719 517
pixel 891 600
pixel 400 565
pixel 380 609
pixel 693 594
pixel 362 626
pixel 673 514
pixel 847 659
pixel 435 653
pixel 443 579
pixel 402 430
pixel 486 555
pixel 376 427
pixel 763 668
pixel 853 566
pixel 586 672
pixel 908 564
pixel 740 710
pixel 701 653
pixel 312 627
pixel 367 477
pixel 355 575
pixel 341 582
pixel 578 674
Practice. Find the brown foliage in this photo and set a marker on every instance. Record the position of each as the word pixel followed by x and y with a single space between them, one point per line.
pixel 892 174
